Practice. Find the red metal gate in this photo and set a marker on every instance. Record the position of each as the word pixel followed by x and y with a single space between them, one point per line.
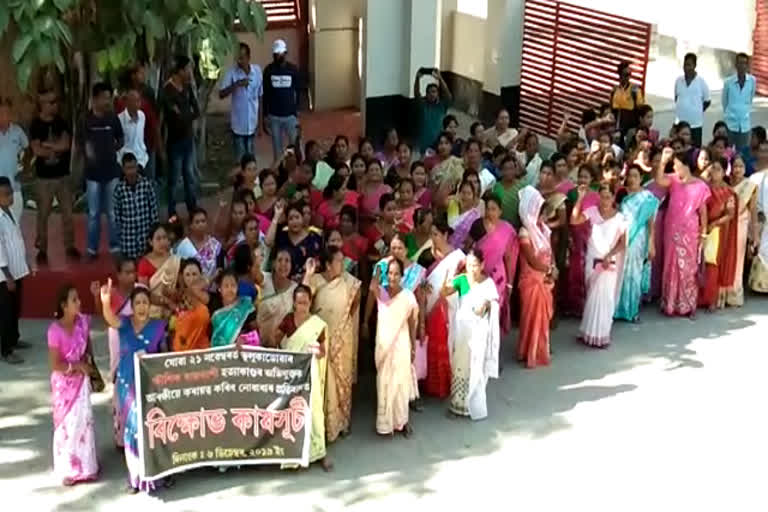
pixel 570 55
pixel 760 47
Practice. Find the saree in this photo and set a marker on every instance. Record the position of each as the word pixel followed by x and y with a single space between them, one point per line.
pixel 758 276
pixel 302 340
pixel 190 329
pixel 148 340
pixel 334 303
pixel 207 255
pixel 413 277
pixel 536 298
pixel 439 321
pixel 657 265
pixel 121 306
pixel 745 191
pixel 719 272
pixel 413 249
pixel 680 288
pixel 461 223
pixel 602 284
pixel 395 377
pixel 565 186
pixel 475 357
pixel 495 245
pixel 369 202
pixel 74 440
pixel 638 209
pixel 227 323
pixel 166 275
pixel 574 288
pixel 271 312
pixel 510 201
pixel 536 309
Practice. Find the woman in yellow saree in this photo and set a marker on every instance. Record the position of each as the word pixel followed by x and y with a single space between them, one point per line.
pixel 337 300
pixel 395 350
pixel 301 331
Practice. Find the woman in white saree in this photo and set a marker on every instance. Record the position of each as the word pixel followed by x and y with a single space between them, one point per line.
pixel 604 266
pixel 475 331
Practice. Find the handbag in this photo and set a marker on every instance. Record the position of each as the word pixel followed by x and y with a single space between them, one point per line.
pixel 94 375
pixel 711 246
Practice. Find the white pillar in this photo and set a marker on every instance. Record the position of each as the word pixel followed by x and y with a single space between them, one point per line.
pixel 422 35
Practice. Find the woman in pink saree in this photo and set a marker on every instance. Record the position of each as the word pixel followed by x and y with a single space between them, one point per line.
pixel 683 228
pixel 497 239
pixel 69 352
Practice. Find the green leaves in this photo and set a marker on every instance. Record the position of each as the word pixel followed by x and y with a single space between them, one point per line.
pixel 5 17
pixel 20 47
pixel 184 25
pixel 154 25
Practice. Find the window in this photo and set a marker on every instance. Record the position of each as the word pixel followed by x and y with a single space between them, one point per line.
pixel 281 13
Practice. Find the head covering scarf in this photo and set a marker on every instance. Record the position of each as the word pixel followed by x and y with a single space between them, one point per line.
pixel 530 208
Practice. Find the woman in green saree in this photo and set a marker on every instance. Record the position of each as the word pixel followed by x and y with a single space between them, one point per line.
pixel 235 321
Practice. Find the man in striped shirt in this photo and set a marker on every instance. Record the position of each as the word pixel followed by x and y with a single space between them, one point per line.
pixel 13 269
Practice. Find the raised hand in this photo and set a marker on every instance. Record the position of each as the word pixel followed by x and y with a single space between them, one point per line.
pixel 106 292
pixel 667 154
pixel 310 266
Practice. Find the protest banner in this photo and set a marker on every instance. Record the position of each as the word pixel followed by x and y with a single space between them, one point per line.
pixel 222 406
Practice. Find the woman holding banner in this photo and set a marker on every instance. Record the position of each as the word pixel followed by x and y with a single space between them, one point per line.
pixel 138 334
pixel 301 331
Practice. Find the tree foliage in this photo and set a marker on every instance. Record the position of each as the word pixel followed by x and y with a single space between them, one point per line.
pixel 116 32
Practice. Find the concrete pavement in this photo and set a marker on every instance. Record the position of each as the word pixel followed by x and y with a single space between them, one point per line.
pixel 671 417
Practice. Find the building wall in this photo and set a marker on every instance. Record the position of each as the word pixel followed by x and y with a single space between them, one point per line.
pixel 334 47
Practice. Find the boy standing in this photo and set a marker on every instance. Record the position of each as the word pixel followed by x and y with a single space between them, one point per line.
pixel 135 208
pixel 13 269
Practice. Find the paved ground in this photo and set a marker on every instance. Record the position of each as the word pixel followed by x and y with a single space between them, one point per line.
pixel 671 417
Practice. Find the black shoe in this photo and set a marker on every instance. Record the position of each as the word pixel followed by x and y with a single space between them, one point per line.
pixel 73 254
pixel 23 344
pixel 91 257
pixel 41 258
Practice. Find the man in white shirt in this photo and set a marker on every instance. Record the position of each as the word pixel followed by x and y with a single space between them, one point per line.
pixel 530 160
pixel 13 269
pixel 243 82
pixel 133 121
pixel 13 143
pixel 691 98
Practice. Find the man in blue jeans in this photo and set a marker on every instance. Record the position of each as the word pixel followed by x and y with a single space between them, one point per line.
pixel 180 109
pixel 100 138
pixel 281 99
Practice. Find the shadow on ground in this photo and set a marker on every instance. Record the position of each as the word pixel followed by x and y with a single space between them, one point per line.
pixel 524 404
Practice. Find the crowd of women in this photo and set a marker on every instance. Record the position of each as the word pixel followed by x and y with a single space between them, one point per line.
pixel 419 268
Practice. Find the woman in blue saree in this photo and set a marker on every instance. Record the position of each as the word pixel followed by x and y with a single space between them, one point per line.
pixel 639 207
pixel 138 334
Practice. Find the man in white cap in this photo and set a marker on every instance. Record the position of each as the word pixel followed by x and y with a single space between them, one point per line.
pixel 281 99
